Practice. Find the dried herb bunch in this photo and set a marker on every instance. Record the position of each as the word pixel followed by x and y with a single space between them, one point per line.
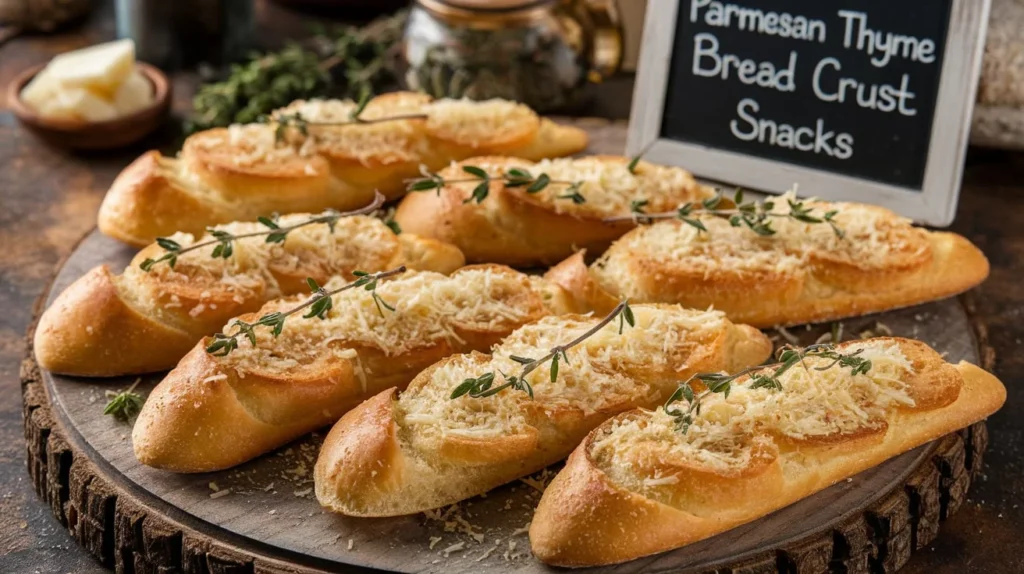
pixel 345 62
pixel 319 305
pixel 124 405
pixel 762 377
pixel 754 215
pixel 223 241
pixel 513 177
pixel 482 386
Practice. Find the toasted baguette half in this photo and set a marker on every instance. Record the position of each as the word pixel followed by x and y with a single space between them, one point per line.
pixel 638 486
pixel 803 273
pixel 423 449
pixel 247 171
pixel 214 412
pixel 517 226
pixel 106 325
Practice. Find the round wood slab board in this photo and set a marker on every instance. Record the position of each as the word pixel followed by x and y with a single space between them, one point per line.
pixel 124 510
pixel 263 517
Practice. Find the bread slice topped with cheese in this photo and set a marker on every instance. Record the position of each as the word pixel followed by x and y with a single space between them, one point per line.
pixel 141 321
pixel 424 449
pixel 864 259
pixel 538 213
pixel 317 154
pixel 214 411
pixel 649 481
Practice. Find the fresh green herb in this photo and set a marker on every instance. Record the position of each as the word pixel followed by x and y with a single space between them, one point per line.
pixel 345 62
pixel 635 161
pixel 124 405
pixel 318 305
pixel 393 225
pixel 513 177
pixel 284 122
pixel 754 215
pixel 224 241
pixel 761 377
pixel 482 386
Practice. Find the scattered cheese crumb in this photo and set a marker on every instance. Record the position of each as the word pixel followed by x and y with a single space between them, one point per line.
pixel 486 553
pixel 453 548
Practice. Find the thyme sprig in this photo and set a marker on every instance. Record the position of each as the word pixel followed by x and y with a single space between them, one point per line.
pixel 319 304
pixel 513 177
pixel 482 386
pixel 224 241
pixel 283 122
pixel 755 215
pixel 788 357
pixel 124 405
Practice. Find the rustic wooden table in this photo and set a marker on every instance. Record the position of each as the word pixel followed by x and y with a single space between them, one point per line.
pixel 49 198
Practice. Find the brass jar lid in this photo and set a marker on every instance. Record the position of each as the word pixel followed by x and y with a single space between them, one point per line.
pixel 488 12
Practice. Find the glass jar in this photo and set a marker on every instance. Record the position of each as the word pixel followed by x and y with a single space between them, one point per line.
pixel 538 52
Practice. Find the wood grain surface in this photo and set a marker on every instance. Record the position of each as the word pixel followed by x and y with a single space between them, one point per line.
pixel 48 200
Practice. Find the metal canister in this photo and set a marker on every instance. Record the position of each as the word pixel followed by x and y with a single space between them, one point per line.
pixel 184 33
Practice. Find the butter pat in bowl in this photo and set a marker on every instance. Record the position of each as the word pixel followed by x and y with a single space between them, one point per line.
pixel 94 98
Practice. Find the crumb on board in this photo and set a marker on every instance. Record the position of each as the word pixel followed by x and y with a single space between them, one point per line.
pixel 458 546
pixel 220 493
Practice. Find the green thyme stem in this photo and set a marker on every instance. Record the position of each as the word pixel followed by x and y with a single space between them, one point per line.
pixel 513 177
pixel 319 305
pixel 480 387
pixel 296 120
pixel 788 357
pixel 274 233
pixel 477 179
pixel 755 215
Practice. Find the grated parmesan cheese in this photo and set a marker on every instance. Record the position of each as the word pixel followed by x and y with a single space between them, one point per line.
pixel 730 432
pixel 601 373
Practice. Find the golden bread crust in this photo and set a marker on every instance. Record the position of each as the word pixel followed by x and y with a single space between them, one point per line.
pixel 243 172
pixel 443 450
pixel 138 322
pixel 804 273
pixel 516 227
pixel 589 517
pixel 316 370
pixel 90 330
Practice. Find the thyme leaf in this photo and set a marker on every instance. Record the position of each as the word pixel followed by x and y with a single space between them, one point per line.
pixel 318 305
pixel 512 177
pixel 124 405
pixel 483 385
pixel 761 377
pixel 224 240
pixel 283 122
pixel 756 216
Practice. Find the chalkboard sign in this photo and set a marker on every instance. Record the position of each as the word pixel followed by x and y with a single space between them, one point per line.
pixel 864 100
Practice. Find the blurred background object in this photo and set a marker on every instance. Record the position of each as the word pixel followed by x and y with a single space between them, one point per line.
pixel 632 14
pixel 17 16
pixel 175 34
pixel 541 53
pixel 999 113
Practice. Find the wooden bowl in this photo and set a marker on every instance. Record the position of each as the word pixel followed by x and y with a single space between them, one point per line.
pixel 80 134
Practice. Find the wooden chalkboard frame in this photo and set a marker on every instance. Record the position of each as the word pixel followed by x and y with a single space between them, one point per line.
pixel 934 204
